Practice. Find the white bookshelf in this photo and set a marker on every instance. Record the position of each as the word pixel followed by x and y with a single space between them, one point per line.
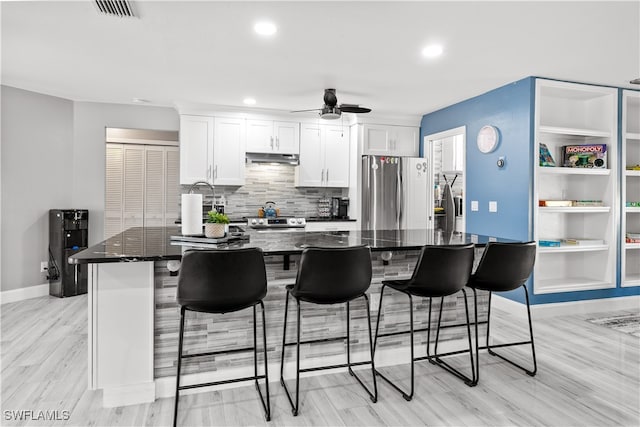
pixel 575 114
pixel 630 191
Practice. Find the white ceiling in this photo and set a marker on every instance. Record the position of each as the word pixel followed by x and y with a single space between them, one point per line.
pixel 207 53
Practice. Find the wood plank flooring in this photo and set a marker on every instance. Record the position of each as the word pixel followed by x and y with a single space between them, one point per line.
pixel 588 375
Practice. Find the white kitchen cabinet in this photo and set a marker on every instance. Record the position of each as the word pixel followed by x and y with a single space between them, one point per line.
pixel 331 226
pixel 324 156
pixel 575 114
pixel 390 140
pixel 196 149
pixel 229 151
pixel 453 154
pixel 630 192
pixel 266 136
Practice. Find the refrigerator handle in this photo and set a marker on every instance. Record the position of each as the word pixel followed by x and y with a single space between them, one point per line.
pixel 399 195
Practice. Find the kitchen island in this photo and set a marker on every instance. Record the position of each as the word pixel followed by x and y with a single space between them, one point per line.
pixel 133 315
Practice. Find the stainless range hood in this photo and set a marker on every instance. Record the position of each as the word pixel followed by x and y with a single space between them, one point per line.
pixel 289 159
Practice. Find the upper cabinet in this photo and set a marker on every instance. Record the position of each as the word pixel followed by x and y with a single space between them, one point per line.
pixel 212 150
pixel 390 140
pixel 324 156
pixel 575 190
pixel 196 149
pixel 453 154
pixel 229 151
pixel 266 136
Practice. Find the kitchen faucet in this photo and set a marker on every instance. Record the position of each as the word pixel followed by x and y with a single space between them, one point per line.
pixel 213 191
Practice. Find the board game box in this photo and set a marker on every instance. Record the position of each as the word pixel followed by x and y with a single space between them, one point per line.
pixel 585 156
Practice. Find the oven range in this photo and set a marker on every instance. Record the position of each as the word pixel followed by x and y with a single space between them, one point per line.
pixel 276 223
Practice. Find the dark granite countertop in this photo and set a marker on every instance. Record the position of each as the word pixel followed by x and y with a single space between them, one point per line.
pixel 155 244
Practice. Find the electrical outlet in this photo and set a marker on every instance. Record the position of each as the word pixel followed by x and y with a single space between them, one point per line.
pixel 44 266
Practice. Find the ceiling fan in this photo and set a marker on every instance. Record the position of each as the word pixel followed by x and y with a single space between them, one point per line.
pixel 331 111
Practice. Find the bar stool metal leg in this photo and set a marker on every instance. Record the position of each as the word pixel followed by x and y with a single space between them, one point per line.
pixel 533 348
pixel 405 395
pixel 373 396
pixel 265 405
pixel 180 340
pixel 294 406
pixel 435 359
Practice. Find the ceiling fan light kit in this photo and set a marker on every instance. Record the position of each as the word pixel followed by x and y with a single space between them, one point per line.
pixel 331 110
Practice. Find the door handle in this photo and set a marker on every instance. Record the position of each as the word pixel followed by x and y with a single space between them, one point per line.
pixel 215 172
pixel 327 181
pixel 278 142
pixel 209 172
pixel 271 143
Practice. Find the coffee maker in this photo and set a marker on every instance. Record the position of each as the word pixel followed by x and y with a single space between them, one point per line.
pixel 340 207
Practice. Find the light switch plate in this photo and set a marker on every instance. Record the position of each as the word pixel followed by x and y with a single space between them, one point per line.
pixel 493 206
pixel 474 205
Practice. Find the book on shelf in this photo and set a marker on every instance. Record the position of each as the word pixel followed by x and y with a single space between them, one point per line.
pixel 582 242
pixel 545 156
pixel 585 156
pixel 549 243
pixel 556 203
pixel 583 203
pixel 632 237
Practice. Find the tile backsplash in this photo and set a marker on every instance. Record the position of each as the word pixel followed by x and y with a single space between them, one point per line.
pixel 269 182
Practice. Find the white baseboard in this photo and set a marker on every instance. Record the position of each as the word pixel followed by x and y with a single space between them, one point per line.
pixel 132 394
pixel 567 308
pixel 24 293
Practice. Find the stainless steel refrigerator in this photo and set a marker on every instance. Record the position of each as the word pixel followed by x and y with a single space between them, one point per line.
pixel 397 193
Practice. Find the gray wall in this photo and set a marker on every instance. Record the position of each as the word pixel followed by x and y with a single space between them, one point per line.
pixel 90 120
pixel 53 157
pixel 37 170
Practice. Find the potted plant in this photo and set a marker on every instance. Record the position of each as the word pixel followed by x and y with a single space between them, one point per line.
pixel 215 224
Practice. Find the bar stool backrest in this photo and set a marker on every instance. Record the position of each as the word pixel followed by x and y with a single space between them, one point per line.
pixel 504 266
pixel 442 270
pixel 333 275
pixel 221 281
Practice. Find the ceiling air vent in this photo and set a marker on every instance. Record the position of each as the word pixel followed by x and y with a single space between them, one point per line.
pixel 120 8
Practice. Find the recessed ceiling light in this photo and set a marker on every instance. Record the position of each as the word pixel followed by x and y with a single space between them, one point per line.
pixel 265 28
pixel 141 101
pixel 432 50
pixel 249 101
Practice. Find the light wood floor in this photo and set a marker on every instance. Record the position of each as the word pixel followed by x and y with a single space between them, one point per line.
pixel 588 375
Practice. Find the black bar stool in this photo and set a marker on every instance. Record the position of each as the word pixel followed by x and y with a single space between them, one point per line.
pixel 504 267
pixel 218 282
pixel 330 276
pixel 440 271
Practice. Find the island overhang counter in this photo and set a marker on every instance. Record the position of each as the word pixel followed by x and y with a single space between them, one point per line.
pixel 133 317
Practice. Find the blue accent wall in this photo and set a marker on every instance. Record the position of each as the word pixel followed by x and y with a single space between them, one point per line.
pixel 510 108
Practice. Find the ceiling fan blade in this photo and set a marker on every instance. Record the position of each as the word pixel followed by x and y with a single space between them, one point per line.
pixel 352 108
pixel 304 111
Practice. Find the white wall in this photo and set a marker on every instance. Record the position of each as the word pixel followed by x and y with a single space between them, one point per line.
pixel 37 174
pixel 90 120
pixel 53 156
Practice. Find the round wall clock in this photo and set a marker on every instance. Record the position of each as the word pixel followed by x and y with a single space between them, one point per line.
pixel 488 139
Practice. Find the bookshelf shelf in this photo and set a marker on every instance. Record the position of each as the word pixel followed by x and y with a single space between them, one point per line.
pixel 576 209
pixel 572 248
pixel 631 246
pixel 558 130
pixel 572 171
pixel 632 173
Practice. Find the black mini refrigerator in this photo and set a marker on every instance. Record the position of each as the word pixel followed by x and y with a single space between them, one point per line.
pixel 68 234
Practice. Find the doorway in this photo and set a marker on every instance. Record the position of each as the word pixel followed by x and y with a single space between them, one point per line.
pixel 446 152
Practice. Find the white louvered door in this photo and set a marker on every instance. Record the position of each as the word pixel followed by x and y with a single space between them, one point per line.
pixel 172 185
pixel 142 186
pixel 134 177
pixel 113 190
pixel 154 187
